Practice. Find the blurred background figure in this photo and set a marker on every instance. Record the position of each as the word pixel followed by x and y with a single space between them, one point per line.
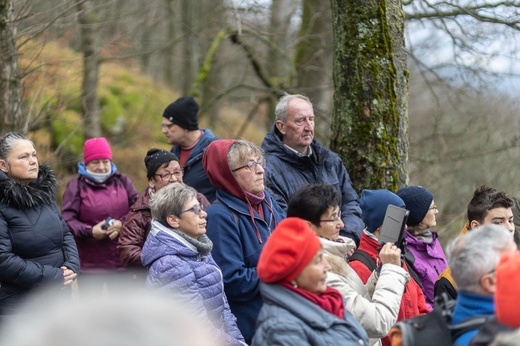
pixel 299 308
pixel 177 253
pixel 429 260
pixel 374 305
pixel 94 206
pixel 239 222
pixel 162 168
pixel 129 318
pixel 36 247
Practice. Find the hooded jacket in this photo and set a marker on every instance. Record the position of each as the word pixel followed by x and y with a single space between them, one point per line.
pixel 238 233
pixel 289 319
pixel 34 240
pixel 194 174
pixel 176 266
pixel 412 301
pixel 287 171
pixel 86 203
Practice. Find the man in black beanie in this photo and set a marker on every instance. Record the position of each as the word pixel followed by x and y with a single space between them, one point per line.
pixel 181 128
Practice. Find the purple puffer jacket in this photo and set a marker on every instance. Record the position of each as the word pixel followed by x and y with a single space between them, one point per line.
pixel 85 204
pixel 176 267
pixel 430 261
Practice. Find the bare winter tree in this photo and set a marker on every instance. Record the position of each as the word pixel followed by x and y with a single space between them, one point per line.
pixel 11 115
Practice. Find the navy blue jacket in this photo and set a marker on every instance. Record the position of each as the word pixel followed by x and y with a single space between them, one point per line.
pixel 34 239
pixel 236 250
pixel 286 172
pixel 194 174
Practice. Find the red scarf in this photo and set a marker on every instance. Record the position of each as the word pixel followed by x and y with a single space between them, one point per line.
pixel 330 300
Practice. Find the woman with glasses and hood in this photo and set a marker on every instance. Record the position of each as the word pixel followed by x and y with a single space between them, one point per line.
pixel 95 205
pixel 239 223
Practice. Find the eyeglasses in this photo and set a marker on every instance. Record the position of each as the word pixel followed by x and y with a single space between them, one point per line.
pixel 433 208
pixel 167 126
pixel 252 166
pixel 167 176
pixel 336 219
pixel 196 209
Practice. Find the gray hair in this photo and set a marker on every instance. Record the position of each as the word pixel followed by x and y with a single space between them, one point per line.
pixel 7 142
pixel 170 200
pixel 240 151
pixel 281 108
pixel 477 253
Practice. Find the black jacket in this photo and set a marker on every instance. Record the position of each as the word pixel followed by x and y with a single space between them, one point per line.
pixel 34 240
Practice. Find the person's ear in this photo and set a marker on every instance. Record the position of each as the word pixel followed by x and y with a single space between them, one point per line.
pixel 4 166
pixel 473 224
pixel 173 221
pixel 488 283
pixel 280 125
pixel 151 184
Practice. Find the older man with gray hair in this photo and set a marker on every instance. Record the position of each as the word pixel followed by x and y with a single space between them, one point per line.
pixel 294 159
pixel 473 259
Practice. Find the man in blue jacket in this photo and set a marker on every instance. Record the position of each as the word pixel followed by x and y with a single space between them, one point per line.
pixel 181 128
pixel 294 158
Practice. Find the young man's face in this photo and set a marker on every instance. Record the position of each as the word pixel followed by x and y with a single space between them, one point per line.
pixel 499 216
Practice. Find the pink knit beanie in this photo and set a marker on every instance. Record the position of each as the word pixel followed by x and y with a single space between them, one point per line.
pixel 96 149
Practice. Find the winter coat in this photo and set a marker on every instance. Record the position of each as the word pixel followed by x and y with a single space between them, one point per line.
pixel 430 262
pixel 194 174
pixel 412 301
pixel 133 234
pixel 34 240
pixel 470 305
pixel 287 171
pixel 236 249
pixel 288 319
pixel 376 305
pixel 86 203
pixel 175 266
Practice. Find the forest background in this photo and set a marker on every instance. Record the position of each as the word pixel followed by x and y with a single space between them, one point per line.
pixel 237 57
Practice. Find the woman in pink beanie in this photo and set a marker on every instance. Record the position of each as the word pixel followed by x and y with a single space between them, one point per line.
pixel 299 308
pixel 94 206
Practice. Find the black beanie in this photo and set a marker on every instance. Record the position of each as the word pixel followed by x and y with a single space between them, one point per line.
pixel 183 112
pixel 418 201
pixel 155 158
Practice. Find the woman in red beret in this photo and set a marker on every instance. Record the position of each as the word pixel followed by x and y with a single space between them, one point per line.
pixel 299 308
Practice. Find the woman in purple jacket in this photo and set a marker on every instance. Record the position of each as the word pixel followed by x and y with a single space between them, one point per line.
pixel 421 241
pixel 177 253
pixel 94 206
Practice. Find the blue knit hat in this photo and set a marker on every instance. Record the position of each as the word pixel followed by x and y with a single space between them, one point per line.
pixel 373 205
pixel 418 201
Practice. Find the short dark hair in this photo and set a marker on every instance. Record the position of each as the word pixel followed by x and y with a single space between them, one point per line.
pixel 484 199
pixel 311 201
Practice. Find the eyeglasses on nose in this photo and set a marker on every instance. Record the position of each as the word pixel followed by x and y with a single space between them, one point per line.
pixel 433 208
pixel 196 209
pixel 336 219
pixel 168 175
pixel 252 166
pixel 167 126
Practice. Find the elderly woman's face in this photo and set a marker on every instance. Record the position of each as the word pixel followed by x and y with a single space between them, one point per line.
pixel 313 276
pixel 21 163
pixel 250 174
pixel 164 175
pixel 192 220
pixel 99 166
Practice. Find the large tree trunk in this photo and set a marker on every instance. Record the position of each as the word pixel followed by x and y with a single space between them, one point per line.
pixel 370 118
pixel 313 61
pixel 89 97
pixel 10 86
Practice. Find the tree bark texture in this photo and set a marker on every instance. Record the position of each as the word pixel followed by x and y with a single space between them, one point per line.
pixel 89 96
pixel 370 120
pixel 10 86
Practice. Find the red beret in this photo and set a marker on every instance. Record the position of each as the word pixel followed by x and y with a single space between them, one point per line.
pixel 289 249
pixel 507 304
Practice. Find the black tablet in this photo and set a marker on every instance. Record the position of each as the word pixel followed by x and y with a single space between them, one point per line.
pixel 392 230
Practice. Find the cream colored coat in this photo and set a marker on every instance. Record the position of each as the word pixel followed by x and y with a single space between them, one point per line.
pixel 376 304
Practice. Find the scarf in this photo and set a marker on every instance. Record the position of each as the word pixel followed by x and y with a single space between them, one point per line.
pixel 203 244
pixel 330 300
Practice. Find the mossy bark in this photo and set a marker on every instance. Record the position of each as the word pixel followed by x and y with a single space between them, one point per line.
pixel 370 119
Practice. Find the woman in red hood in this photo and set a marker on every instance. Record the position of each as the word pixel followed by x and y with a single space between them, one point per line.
pixel 239 222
